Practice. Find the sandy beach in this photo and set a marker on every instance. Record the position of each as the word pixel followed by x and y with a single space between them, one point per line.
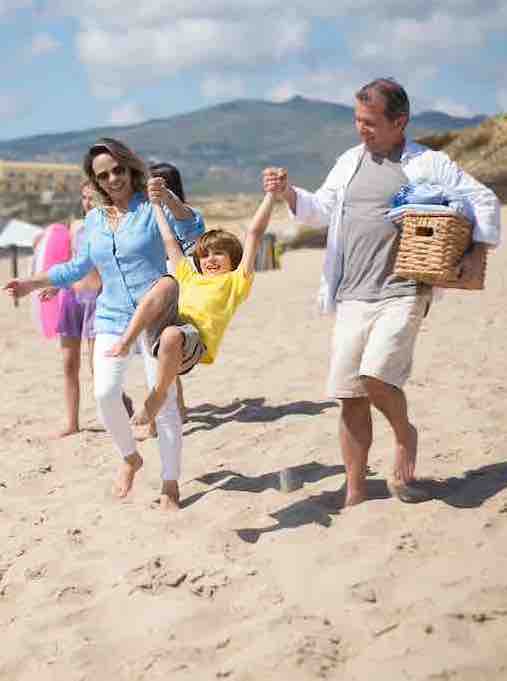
pixel 248 582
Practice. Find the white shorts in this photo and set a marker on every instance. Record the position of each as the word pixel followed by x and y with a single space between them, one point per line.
pixel 374 338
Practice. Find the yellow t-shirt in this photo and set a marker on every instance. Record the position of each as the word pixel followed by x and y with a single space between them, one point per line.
pixel 210 302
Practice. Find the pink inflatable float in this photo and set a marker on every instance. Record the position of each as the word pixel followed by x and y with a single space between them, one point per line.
pixel 53 248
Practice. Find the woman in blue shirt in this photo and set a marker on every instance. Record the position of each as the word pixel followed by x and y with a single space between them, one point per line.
pixel 121 239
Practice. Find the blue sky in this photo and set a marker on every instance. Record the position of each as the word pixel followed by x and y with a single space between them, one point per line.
pixel 75 64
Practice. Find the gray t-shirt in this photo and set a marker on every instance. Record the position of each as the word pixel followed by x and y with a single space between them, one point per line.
pixel 369 241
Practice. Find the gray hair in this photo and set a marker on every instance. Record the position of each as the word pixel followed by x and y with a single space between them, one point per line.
pixel 393 94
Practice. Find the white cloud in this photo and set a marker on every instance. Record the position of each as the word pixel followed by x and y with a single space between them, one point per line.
pixel 125 43
pixel 165 49
pixel 43 43
pixel 127 114
pixel 451 107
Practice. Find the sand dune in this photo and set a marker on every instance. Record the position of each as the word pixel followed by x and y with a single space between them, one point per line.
pixel 247 582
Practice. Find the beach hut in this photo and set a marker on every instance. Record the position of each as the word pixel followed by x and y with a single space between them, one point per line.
pixel 15 235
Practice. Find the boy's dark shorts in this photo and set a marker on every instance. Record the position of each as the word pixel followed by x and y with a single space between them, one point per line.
pixel 193 347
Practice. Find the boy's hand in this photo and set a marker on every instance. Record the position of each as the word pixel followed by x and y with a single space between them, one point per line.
pixel 275 181
pixel 18 288
pixel 119 349
pixel 156 190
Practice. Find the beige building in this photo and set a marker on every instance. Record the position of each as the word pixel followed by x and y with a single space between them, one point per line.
pixel 26 178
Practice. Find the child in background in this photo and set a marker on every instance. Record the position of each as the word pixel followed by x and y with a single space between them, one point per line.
pixel 185 317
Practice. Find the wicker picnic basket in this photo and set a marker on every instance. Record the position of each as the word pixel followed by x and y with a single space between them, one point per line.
pixel 431 248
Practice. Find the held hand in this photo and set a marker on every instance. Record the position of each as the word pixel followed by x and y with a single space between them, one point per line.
pixel 18 288
pixel 156 190
pixel 275 181
pixel 48 293
pixel 119 349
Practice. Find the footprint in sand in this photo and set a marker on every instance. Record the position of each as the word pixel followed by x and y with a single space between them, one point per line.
pixel 155 576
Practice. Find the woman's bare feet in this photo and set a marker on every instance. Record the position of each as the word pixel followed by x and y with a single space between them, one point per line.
pixel 151 407
pixel 405 457
pixel 64 433
pixel 170 496
pixel 355 496
pixel 131 464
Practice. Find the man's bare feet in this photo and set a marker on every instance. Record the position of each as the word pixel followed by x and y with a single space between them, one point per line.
pixel 64 433
pixel 405 457
pixel 151 407
pixel 131 464
pixel 170 496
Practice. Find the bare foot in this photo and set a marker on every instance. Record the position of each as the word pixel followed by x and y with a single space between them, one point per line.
pixel 152 406
pixel 170 496
pixel 131 464
pixel 405 457
pixel 355 497
pixel 64 433
pixel 119 349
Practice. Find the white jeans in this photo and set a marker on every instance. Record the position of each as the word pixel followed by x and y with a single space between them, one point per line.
pixel 109 373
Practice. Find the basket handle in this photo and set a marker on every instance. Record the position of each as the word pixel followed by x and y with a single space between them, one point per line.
pixel 424 230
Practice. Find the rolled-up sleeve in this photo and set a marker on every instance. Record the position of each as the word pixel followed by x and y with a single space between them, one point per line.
pixel 66 274
pixel 484 203
pixel 189 229
pixel 316 208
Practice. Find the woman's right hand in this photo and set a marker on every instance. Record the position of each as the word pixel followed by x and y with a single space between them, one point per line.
pixel 48 293
pixel 18 288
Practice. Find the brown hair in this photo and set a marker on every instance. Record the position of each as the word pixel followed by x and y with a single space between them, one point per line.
pixel 394 96
pixel 218 240
pixel 125 157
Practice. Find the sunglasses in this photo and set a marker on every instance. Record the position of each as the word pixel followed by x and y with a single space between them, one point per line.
pixel 116 171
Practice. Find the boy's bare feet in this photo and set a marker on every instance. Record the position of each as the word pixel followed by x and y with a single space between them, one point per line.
pixel 64 433
pixel 151 407
pixel 170 496
pixel 131 464
pixel 119 349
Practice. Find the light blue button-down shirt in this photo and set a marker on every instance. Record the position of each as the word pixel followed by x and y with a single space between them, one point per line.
pixel 128 260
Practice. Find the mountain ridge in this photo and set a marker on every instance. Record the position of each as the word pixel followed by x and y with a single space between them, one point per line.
pixel 225 147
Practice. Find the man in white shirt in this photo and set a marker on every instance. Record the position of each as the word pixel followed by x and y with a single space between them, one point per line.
pixel 378 315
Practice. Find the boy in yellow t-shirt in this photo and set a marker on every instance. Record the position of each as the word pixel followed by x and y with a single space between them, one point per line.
pixel 185 316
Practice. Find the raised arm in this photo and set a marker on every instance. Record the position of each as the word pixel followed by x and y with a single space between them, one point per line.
pixel 157 194
pixel 255 232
